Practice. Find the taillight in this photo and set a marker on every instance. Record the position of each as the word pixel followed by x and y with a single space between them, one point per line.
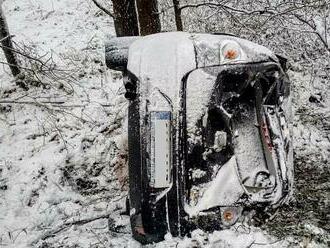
pixel 230 215
pixel 266 134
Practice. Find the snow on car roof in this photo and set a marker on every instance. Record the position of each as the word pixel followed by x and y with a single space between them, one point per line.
pixel 169 48
pixel 160 61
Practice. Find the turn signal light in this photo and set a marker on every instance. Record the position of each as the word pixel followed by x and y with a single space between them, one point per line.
pixel 228 215
pixel 231 50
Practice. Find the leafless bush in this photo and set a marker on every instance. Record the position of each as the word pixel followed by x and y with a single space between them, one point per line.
pixel 42 70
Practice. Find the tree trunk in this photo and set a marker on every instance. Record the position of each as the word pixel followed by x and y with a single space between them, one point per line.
pixel 7 45
pixel 177 13
pixel 126 22
pixel 148 16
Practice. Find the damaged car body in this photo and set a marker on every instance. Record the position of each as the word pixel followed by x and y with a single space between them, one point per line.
pixel 208 130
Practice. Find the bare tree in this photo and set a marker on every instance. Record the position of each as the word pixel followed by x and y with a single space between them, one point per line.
pixel 177 14
pixel 148 16
pixel 133 17
pixel 7 45
pixel 125 18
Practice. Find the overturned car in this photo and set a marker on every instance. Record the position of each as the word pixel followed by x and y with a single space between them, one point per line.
pixel 208 130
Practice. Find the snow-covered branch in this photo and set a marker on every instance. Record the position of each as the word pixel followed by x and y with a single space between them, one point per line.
pixel 104 9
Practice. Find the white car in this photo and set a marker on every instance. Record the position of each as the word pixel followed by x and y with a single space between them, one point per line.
pixel 208 130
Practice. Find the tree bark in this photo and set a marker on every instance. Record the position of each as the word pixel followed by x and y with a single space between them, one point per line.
pixel 177 13
pixel 7 45
pixel 126 21
pixel 148 16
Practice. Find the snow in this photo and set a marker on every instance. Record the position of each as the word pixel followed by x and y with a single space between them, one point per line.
pixel 199 90
pixel 237 236
pixel 60 165
pixel 39 146
pixel 227 181
pixel 220 140
pixel 161 78
pixel 246 136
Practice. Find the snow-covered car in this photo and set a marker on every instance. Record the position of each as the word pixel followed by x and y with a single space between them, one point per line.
pixel 208 130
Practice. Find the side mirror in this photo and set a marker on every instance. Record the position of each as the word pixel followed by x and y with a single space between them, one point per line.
pixel 116 52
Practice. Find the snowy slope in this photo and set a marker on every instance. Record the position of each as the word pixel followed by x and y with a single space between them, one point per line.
pixel 62 166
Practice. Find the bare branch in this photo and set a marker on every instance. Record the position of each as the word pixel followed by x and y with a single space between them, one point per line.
pixel 64 226
pixel 220 5
pixel 103 9
pixel 7 37
pixel 320 36
pixel 53 103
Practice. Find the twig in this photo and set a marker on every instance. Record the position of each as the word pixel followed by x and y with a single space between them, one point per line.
pixel 103 9
pixel 24 55
pixel 64 226
pixel 55 104
pixel 8 36
pixel 21 67
pixel 98 238
pixel 61 136
pixel 220 5
pixel 271 243
pixel 321 38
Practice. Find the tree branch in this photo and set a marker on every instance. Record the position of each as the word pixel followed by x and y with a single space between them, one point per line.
pixel 220 5
pixel 53 232
pixel 7 37
pixel 53 103
pixel 322 39
pixel 103 9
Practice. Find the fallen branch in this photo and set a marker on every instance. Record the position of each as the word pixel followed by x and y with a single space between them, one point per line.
pixel 98 238
pixel 55 104
pixel 64 226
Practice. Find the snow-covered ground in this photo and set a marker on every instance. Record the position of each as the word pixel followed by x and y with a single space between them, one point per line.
pixel 62 165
